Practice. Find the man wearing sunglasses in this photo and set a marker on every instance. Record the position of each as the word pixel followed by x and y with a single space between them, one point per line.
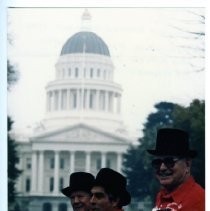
pixel 172 163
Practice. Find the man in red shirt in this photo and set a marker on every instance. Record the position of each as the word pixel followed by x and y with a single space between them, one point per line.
pixel 109 191
pixel 172 165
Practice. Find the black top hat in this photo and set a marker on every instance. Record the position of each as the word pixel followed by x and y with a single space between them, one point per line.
pixel 114 183
pixel 79 181
pixel 172 141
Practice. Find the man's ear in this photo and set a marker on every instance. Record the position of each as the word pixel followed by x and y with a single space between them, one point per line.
pixel 188 162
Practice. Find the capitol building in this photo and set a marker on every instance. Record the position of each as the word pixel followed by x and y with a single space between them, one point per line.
pixel 82 129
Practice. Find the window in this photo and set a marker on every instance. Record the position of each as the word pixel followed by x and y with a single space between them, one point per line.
pixel 60 183
pixel 28 163
pixel 108 163
pixel 76 72
pixel 104 74
pixel 52 163
pixel 63 99
pixel 62 163
pixel 62 207
pixel 102 101
pixel 28 185
pixel 98 164
pixel 91 101
pixel 84 73
pixel 47 207
pixel 51 184
pixel 56 100
pixel 74 100
pixel 69 72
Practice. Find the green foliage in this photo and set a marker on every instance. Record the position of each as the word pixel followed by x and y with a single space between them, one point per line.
pixel 192 119
pixel 137 162
pixel 13 172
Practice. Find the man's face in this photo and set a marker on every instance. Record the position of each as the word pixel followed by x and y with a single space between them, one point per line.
pixel 100 200
pixel 171 171
pixel 80 201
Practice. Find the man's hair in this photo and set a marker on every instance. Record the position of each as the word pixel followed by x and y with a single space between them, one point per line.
pixel 114 197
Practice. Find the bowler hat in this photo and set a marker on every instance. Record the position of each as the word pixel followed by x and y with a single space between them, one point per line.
pixel 79 181
pixel 171 141
pixel 114 183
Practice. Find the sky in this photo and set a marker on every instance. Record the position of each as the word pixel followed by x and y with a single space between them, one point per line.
pixel 149 48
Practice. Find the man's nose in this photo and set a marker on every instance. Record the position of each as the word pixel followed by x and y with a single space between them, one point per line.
pixel 163 166
pixel 92 199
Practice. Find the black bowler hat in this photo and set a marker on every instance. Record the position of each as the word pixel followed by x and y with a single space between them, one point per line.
pixel 79 181
pixel 114 183
pixel 173 142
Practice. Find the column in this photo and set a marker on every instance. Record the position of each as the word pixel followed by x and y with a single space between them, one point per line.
pixel 41 172
pixel 119 161
pixel 34 172
pixel 72 161
pixel 103 159
pixel 88 160
pixel 56 173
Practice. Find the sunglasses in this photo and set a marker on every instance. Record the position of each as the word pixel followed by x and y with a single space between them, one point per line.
pixel 169 162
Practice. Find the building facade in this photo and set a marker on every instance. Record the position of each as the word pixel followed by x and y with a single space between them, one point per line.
pixel 82 129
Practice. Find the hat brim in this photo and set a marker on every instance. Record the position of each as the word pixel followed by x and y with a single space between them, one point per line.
pixel 190 153
pixel 67 191
pixel 125 198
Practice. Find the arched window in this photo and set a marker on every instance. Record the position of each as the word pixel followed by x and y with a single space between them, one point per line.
pixel 62 207
pixel 47 207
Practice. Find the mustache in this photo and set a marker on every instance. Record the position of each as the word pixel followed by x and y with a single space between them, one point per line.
pixel 164 173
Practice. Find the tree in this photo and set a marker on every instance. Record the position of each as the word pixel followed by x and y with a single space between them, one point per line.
pixel 12 75
pixel 192 119
pixel 192 31
pixel 13 171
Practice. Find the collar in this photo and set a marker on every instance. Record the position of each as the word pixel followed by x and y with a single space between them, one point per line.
pixel 179 194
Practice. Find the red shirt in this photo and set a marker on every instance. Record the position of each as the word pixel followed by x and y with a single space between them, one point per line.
pixel 189 196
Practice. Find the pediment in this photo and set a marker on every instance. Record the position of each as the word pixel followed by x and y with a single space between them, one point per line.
pixel 81 134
